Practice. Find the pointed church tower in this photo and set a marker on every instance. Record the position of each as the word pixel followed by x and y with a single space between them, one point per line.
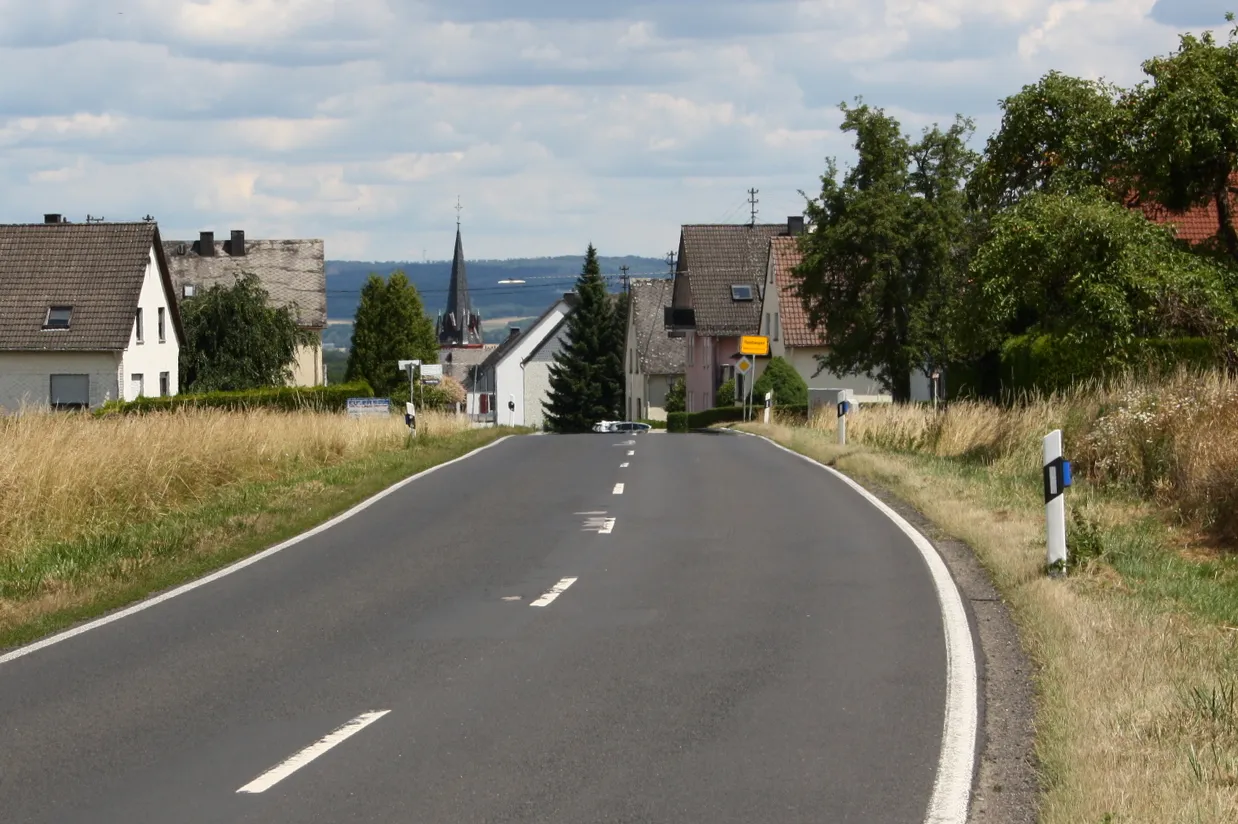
pixel 459 325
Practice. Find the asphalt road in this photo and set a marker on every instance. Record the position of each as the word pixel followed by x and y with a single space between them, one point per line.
pixel 747 641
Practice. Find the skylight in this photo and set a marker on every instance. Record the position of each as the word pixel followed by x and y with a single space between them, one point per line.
pixel 741 291
pixel 58 317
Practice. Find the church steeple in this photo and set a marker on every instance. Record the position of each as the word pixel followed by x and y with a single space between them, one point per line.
pixel 459 324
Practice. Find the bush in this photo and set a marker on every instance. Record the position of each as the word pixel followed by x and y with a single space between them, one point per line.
pixel 676 421
pixel 675 397
pixel 288 398
pixel 1046 363
pixel 725 395
pixel 721 414
pixel 445 396
pixel 787 385
pixel 653 424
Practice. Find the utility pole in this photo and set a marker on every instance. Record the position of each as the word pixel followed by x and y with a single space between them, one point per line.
pixel 670 262
pixel 624 270
pixel 752 204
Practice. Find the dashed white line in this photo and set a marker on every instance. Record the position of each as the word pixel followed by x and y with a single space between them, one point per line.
pixel 618 489
pixel 624 466
pixel 281 771
pixel 555 591
pixel 631 452
pixel 607 527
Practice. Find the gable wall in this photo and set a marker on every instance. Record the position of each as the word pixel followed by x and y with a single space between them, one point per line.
pixel 151 357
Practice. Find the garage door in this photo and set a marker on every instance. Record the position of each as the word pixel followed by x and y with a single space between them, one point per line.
pixel 70 391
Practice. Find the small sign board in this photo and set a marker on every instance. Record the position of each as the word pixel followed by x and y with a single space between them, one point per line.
pixel 754 345
pixel 744 366
pixel 431 374
pixel 364 407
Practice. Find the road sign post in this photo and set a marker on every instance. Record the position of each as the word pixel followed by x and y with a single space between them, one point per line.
pixel 745 367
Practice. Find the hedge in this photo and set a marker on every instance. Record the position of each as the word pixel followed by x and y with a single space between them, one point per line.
pixel 653 424
pixel 332 398
pixel 676 421
pixel 1046 363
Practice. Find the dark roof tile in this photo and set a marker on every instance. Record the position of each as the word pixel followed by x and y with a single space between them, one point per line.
pixel 715 257
pixel 658 352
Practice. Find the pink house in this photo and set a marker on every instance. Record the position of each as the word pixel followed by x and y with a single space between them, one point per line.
pixel 717 299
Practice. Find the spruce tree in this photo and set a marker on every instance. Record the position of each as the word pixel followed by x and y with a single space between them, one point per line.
pixel 390 325
pixel 583 377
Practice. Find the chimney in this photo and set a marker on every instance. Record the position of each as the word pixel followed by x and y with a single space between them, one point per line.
pixel 795 225
pixel 206 244
pixel 49 218
pixel 237 248
pixel 512 332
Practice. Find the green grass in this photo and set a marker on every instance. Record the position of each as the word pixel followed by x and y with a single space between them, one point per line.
pixel 95 575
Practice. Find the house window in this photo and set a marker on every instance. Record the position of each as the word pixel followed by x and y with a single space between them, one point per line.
pixel 70 391
pixel 165 382
pixel 163 334
pixel 138 324
pixel 767 326
pixel 188 290
pixel 691 349
pixel 777 326
pixel 58 317
pixel 741 291
pixel 708 351
pixel 136 385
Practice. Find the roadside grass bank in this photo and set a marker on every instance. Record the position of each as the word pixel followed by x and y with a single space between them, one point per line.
pixel 96 514
pixel 1136 650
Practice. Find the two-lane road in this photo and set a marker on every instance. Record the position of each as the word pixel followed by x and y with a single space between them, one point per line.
pixel 558 629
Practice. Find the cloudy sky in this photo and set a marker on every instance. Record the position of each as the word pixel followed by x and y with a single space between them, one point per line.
pixel 556 122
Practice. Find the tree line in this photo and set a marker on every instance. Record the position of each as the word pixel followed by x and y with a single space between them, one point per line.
pixel 1034 263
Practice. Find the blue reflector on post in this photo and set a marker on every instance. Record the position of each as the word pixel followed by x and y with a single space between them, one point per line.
pixel 1065 473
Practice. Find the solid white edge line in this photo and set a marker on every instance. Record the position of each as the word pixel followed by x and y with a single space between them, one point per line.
pixel 555 591
pixel 618 489
pixel 286 768
pixel 956 763
pixel 239 565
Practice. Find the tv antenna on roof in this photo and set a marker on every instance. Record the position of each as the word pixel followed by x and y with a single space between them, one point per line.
pixel 90 219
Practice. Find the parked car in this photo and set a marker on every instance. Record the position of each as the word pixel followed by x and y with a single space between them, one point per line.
pixel 603 426
pixel 629 426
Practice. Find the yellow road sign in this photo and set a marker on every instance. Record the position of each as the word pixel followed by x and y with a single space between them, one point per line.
pixel 754 345
pixel 744 365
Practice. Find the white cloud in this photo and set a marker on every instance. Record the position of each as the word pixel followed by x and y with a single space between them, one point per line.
pixel 558 122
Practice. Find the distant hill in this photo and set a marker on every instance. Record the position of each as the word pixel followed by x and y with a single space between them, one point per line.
pixel 545 279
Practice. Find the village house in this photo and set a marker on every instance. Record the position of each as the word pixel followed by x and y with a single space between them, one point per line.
pixel 517 371
pixel 791 337
pixel 293 272
pixel 87 315
pixel 716 300
pixel 653 359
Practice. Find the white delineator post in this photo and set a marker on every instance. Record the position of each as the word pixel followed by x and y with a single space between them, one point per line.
pixel 842 418
pixel 1055 502
pixel 769 398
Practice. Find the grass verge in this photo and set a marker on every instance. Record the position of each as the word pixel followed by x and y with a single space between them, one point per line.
pixel 1137 649
pixel 130 543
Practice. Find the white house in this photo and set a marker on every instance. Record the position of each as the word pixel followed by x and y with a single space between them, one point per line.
pixel 501 378
pixel 88 314
pixel 653 359
pixel 536 369
pixel 785 323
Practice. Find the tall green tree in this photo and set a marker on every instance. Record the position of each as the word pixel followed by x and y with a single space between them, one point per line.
pixel 235 339
pixel 883 265
pixel 584 375
pixel 1186 143
pixel 1062 132
pixel 390 325
pixel 614 383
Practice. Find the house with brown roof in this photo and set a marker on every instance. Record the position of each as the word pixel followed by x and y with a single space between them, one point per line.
pixel 1196 225
pixel 293 272
pixel 785 322
pixel 88 314
pixel 653 360
pixel 716 299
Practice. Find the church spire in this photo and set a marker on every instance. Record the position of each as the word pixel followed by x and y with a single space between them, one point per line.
pixel 459 325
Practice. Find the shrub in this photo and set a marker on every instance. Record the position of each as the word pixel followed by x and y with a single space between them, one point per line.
pixel 676 421
pixel 445 396
pixel 725 395
pixel 675 397
pixel 287 398
pixel 653 424
pixel 787 385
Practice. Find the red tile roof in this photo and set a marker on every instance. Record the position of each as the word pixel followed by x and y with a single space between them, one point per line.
pixel 796 331
pixel 1194 225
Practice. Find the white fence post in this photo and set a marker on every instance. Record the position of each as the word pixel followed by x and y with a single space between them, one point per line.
pixel 1056 480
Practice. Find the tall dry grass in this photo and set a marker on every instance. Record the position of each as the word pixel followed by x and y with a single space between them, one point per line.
pixel 1173 441
pixel 64 476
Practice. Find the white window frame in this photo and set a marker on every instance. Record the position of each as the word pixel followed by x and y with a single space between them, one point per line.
pixel 165 384
pixel 140 379
pixel 137 324
pixel 163 325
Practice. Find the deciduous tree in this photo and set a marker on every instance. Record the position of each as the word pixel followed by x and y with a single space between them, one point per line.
pixel 390 325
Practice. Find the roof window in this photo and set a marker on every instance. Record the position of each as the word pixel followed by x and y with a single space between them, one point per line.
pixel 741 291
pixel 58 317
